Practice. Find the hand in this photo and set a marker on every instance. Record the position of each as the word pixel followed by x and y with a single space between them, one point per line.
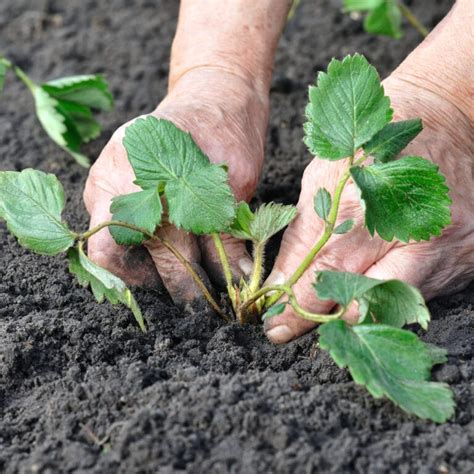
pixel 227 118
pixel 426 86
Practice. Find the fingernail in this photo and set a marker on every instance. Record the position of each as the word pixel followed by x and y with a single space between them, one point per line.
pixel 246 265
pixel 280 334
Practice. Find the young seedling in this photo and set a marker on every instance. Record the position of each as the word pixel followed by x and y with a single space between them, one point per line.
pixel 384 17
pixel 349 119
pixel 64 107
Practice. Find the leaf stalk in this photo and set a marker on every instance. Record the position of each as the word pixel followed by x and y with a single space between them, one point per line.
pixel 225 266
pixel 257 271
pixel 413 20
pixel 197 279
pixel 328 231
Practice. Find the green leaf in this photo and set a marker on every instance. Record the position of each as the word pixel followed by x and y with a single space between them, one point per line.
pixel 274 311
pixel 322 203
pixel 57 125
pixel 361 5
pixel 406 199
pixel 88 90
pixel 268 220
pixel 386 19
pixel 104 285
pixel 64 107
pixel 3 71
pixel 392 139
pixel 346 109
pixel 438 354
pixel 31 203
pixel 342 287
pixel 244 216
pixel 82 120
pixel 391 302
pixel 390 363
pixel 142 209
pixel 344 227
pixel 395 303
pixel 197 192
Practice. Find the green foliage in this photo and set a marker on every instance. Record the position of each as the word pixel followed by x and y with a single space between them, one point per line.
pixel 142 209
pixel 3 71
pixel 344 227
pixel 395 303
pixel 31 202
pixel 361 5
pixel 322 203
pixel 392 363
pixel 260 226
pixel 104 285
pixel 64 108
pixel 391 302
pixel 346 109
pixel 197 192
pixel 90 91
pixel 384 17
pixel 406 199
pixel 392 139
pixel 244 216
pixel 275 310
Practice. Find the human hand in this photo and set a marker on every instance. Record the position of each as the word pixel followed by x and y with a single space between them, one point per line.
pixel 227 117
pixel 433 83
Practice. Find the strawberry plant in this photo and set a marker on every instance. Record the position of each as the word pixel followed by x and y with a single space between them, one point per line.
pixel 64 107
pixel 384 17
pixel 349 119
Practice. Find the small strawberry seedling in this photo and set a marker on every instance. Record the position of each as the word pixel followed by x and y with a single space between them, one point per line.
pixel 384 17
pixel 349 119
pixel 64 107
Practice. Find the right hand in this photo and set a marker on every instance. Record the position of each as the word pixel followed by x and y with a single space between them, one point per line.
pixel 227 118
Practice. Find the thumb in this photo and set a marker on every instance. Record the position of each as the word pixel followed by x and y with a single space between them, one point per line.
pixel 295 245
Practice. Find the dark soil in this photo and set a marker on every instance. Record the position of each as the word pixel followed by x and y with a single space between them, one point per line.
pixel 81 390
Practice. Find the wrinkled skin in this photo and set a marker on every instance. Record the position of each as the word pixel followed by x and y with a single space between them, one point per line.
pixel 440 266
pixel 228 119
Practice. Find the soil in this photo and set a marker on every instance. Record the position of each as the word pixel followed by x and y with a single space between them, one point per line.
pixel 83 391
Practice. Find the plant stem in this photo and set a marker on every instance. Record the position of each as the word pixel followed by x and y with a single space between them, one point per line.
pixel 285 289
pixel 257 270
pixel 103 225
pixel 294 7
pixel 413 20
pixel 197 279
pixel 315 317
pixel 223 258
pixel 258 294
pixel 19 73
pixel 328 230
pixel 6 61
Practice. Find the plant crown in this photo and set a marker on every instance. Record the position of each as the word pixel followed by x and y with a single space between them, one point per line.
pixel 348 118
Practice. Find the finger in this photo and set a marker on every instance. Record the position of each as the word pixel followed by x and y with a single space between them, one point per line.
pixel 420 265
pixel 180 284
pixel 342 253
pixel 239 259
